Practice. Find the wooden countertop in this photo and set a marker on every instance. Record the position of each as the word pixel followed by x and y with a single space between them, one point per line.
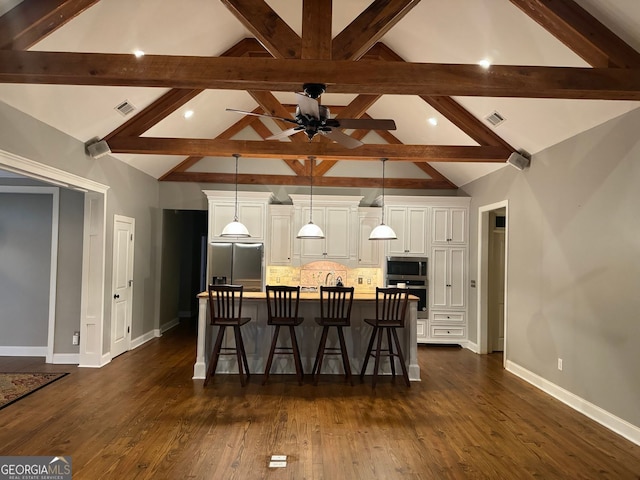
pixel 311 296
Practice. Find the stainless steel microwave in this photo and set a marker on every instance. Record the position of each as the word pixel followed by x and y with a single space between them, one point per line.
pixel 407 266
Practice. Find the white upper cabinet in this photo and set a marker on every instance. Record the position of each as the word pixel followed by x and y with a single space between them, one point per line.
pixel 449 226
pixel 252 212
pixel 410 225
pixel 369 251
pixel 280 234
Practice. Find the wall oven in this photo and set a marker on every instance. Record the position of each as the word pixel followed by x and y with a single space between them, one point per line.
pixel 413 272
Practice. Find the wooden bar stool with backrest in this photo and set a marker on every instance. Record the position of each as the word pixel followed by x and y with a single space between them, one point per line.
pixel 225 308
pixel 335 311
pixel 391 308
pixel 282 311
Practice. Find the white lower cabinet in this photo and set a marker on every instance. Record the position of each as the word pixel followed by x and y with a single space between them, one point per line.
pixel 447 326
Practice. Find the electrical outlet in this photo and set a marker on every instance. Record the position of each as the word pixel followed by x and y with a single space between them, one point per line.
pixel 368 281
pixel 75 340
pixel 560 364
pixel 277 279
pixel 359 280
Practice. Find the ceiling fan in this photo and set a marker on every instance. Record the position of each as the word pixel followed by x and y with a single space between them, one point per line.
pixel 313 118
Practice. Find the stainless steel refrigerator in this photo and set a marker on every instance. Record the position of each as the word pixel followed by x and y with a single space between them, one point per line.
pixel 237 263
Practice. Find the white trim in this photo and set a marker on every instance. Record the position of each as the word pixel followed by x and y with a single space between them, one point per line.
pixel 66 358
pixel 165 327
pixel 471 346
pixel 142 339
pixel 604 418
pixel 53 266
pixel 483 228
pixel 23 351
pixel 39 171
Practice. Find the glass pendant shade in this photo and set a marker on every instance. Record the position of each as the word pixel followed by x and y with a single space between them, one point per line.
pixel 311 230
pixel 235 228
pixel 382 231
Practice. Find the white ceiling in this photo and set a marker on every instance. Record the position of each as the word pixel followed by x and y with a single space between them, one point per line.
pixel 451 31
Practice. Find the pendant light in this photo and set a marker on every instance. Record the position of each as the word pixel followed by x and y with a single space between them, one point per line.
pixel 382 231
pixel 235 228
pixel 310 230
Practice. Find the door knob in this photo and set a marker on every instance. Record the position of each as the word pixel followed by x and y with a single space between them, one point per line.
pixel 116 296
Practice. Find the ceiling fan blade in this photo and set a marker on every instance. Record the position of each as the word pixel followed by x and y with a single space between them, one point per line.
pixel 342 138
pixel 308 106
pixel 285 133
pixel 364 123
pixel 284 119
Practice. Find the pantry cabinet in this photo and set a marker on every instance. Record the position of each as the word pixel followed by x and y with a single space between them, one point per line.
pixel 410 225
pixel 449 226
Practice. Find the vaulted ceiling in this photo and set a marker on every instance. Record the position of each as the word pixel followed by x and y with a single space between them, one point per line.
pixel 554 62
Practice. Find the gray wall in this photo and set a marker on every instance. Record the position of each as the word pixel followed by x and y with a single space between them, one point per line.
pixel 25 259
pixel 574 263
pixel 132 193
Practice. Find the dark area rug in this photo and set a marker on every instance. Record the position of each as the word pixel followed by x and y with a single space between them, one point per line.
pixel 14 386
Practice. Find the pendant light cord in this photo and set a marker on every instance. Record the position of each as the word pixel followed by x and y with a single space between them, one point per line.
pixel 383 162
pixel 312 160
pixel 235 216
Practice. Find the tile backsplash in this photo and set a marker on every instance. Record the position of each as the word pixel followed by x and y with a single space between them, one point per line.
pixel 319 273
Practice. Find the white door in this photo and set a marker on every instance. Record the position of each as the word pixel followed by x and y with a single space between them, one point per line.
pixel 122 285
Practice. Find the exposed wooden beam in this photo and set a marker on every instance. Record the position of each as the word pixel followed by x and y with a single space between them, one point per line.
pixel 321 150
pixel 316 29
pixel 354 182
pixel 32 20
pixel 581 32
pixel 267 26
pixel 369 27
pixel 367 77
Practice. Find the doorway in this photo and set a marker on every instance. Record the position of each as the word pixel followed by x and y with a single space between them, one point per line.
pixel 493 256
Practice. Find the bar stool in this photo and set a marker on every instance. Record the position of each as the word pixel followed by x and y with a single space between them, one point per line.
pixel 225 307
pixel 282 311
pixel 391 308
pixel 335 311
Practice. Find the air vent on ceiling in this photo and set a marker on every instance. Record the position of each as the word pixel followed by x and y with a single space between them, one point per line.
pixel 495 118
pixel 125 108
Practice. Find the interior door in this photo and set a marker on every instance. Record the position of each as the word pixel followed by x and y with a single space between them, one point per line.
pixel 496 288
pixel 122 284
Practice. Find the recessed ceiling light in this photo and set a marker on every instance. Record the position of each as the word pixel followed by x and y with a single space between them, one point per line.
pixel 433 121
pixel 138 53
pixel 485 63
pixel 188 114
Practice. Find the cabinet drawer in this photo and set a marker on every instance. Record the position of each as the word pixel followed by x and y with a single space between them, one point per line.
pixel 448 317
pixel 447 331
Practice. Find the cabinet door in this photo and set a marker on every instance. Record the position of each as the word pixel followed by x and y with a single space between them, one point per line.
pixel 440 225
pixel 458 226
pixel 314 248
pixel 416 236
pixel 251 215
pixel 337 233
pixel 396 218
pixel 457 277
pixel 280 239
pixel 448 275
pixel 368 250
pixel 439 277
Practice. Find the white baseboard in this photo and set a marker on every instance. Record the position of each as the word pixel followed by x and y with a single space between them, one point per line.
pixel 66 358
pixel 169 325
pixel 142 339
pixel 23 351
pixel 471 346
pixel 608 420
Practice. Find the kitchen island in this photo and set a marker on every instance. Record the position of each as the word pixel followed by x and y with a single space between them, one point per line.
pixel 257 337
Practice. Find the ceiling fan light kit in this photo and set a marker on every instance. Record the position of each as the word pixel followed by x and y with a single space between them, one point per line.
pixel 313 119
pixel 235 228
pixel 382 231
pixel 310 231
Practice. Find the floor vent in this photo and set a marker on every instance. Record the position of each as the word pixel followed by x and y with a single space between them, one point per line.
pixel 495 118
pixel 125 108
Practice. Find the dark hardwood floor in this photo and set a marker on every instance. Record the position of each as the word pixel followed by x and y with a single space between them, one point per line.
pixel 143 417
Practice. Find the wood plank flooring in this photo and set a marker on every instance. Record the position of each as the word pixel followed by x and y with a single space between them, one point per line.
pixel 142 417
